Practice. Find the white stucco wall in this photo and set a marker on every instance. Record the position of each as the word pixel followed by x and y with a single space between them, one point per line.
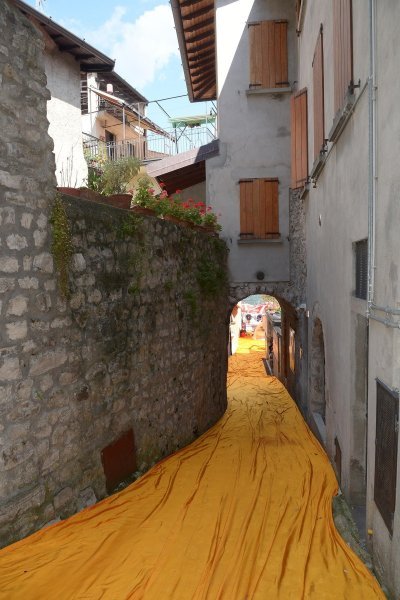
pixel 336 217
pixel 254 138
pixel 64 115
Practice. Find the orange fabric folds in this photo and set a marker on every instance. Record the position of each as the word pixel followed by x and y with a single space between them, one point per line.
pixel 244 512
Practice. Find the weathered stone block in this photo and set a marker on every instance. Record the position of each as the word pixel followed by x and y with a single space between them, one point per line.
pixel 16 241
pixel 78 263
pixel 43 262
pixel 10 369
pixel 63 498
pixel 28 283
pixel 9 264
pixel 26 220
pixel 17 306
pixel 18 330
pixel 47 362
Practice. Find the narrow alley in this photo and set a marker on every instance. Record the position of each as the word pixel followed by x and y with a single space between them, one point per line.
pixel 243 512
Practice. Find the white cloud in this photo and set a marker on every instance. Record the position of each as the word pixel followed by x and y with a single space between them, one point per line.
pixel 142 48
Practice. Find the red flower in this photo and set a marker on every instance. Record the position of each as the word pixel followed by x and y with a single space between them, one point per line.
pixel 209 208
pixel 161 184
pixel 164 194
pixel 178 192
pixel 151 191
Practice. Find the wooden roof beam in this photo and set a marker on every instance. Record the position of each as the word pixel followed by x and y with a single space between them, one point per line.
pixel 200 47
pixel 197 13
pixel 199 37
pixel 184 3
pixel 200 25
pixel 195 60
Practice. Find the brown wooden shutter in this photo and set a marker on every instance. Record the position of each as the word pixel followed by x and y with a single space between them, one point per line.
pixel 259 208
pixel 299 139
pixel 318 96
pixel 386 443
pixel 268 54
pixel 343 50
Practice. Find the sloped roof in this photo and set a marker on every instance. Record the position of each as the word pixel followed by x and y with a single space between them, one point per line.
pixel 122 89
pixel 89 59
pixel 184 169
pixel 195 28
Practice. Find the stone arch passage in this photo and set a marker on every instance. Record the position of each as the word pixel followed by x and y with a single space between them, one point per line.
pixel 292 365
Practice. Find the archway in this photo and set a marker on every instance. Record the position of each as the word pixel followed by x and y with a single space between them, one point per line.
pixel 317 379
pixel 252 317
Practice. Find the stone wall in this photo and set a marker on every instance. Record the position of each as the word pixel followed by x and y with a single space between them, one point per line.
pixel 138 343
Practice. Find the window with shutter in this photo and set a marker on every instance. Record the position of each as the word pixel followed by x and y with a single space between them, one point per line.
pixel 318 97
pixel 259 209
pixel 387 420
pixel 299 135
pixel 268 54
pixel 361 259
pixel 343 51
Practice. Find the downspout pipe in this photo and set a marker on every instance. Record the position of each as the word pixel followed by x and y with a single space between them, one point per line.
pixel 372 161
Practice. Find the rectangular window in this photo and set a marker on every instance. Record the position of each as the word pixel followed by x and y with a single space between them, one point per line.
pixel 318 96
pixel 259 208
pixel 387 425
pixel 342 50
pixel 268 54
pixel 299 133
pixel 361 259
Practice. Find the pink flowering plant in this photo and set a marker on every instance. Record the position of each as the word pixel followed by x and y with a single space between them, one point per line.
pixel 164 204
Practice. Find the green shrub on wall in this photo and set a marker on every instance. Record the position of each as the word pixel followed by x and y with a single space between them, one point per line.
pixel 61 246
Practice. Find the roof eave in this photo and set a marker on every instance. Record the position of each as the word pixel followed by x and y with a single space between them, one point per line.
pixel 104 62
pixel 182 47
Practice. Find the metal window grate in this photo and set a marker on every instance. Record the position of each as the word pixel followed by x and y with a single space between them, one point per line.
pixel 84 94
pixel 387 420
pixel 361 250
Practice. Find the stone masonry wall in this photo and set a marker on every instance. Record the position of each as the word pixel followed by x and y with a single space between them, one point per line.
pixel 139 342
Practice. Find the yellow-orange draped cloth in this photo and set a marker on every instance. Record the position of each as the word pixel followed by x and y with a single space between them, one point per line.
pixel 244 512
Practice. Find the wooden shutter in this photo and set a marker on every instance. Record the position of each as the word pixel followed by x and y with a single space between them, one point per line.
pixel 343 50
pixel 268 54
pixel 318 96
pixel 259 209
pixel 299 139
pixel 386 442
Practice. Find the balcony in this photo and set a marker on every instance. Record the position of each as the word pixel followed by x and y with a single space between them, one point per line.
pixel 151 147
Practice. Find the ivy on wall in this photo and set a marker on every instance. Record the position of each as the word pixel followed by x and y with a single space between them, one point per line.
pixel 61 246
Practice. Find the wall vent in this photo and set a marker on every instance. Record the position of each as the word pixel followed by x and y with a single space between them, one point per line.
pixel 361 256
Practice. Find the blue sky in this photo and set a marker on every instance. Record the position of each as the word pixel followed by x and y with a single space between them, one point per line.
pixel 140 35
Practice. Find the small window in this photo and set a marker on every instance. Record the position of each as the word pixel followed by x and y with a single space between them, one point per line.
pixel 361 258
pixel 299 140
pixel 259 209
pixel 343 51
pixel 386 442
pixel 268 54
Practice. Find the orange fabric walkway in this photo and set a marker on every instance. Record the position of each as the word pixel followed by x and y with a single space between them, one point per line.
pixel 244 512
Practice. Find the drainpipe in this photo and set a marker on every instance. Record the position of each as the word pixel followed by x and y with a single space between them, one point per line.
pixel 372 166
